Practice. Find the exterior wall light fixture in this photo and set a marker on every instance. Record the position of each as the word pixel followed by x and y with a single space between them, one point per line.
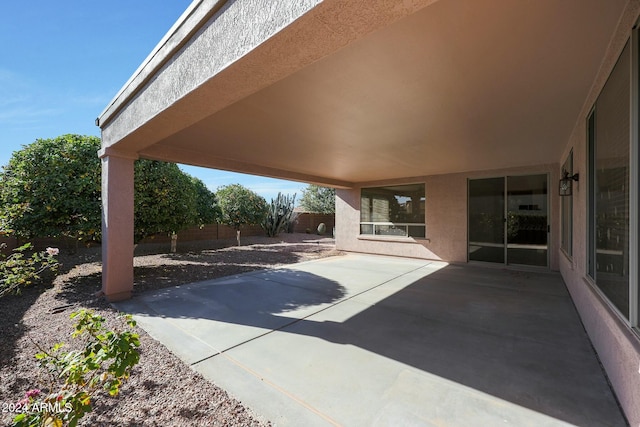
pixel 565 183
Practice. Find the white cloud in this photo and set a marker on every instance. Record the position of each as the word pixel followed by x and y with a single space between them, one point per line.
pixel 7 101
pixel 24 114
pixel 21 102
pixel 12 85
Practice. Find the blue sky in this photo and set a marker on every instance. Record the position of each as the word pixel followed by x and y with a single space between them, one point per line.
pixel 62 62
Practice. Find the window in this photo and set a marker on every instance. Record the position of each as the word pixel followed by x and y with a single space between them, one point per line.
pixel 609 139
pixel 397 210
pixel 566 243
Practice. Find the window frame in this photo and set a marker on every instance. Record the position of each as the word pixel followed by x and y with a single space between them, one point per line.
pixel 634 182
pixel 631 318
pixel 394 229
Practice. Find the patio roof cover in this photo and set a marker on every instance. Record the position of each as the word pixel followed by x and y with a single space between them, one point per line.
pixel 341 92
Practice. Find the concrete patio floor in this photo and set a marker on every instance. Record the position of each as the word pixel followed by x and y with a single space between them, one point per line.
pixel 362 340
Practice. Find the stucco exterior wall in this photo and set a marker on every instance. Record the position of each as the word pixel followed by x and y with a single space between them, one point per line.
pixel 235 29
pixel 446 217
pixel 617 345
pixel 348 230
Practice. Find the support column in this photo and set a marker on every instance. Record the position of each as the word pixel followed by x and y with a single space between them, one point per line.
pixel 117 224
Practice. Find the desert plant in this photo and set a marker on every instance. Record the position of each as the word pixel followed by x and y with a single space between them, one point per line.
pixel 18 270
pixel 292 222
pixel 76 376
pixel 279 214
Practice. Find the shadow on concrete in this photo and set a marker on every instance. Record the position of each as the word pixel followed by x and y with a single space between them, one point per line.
pixel 180 268
pixel 190 267
pixel 513 335
pixel 246 299
pixel 509 334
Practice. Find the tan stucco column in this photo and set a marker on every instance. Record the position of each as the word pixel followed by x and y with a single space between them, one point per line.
pixel 117 224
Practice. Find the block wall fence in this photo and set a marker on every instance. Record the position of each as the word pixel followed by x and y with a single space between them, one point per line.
pixel 305 222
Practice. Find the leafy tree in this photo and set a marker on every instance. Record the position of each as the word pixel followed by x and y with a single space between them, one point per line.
pixel 206 203
pixel 279 214
pixel 165 199
pixel 240 206
pixel 318 199
pixel 52 188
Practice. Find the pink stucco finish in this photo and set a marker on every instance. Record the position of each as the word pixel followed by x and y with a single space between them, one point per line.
pixel 458 101
pixel 617 344
pixel 446 217
pixel 618 347
pixel 117 226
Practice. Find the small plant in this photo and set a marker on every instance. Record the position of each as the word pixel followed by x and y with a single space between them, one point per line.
pixel 76 376
pixel 279 215
pixel 18 271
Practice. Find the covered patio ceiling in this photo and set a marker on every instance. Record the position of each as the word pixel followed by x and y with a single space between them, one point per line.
pixel 363 91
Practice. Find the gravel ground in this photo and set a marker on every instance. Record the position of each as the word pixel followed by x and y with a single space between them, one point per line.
pixel 162 390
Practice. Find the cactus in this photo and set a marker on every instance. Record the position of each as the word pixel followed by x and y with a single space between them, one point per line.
pixel 279 215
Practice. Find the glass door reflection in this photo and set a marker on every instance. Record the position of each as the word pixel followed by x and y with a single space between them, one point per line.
pixel 486 220
pixel 527 220
pixel 508 220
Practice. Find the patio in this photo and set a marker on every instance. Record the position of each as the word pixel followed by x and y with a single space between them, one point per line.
pixel 372 340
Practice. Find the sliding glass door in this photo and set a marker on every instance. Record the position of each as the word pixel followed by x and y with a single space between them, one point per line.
pixel 486 220
pixel 527 228
pixel 508 220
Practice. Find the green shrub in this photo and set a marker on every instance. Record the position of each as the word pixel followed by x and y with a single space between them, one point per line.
pixel 18 270
pixel 166 199
pixel 76 376
pixel 52 188
pixel 208 210
pixel 318 199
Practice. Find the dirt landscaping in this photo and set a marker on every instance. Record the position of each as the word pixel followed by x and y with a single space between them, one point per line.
pixel 162 390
